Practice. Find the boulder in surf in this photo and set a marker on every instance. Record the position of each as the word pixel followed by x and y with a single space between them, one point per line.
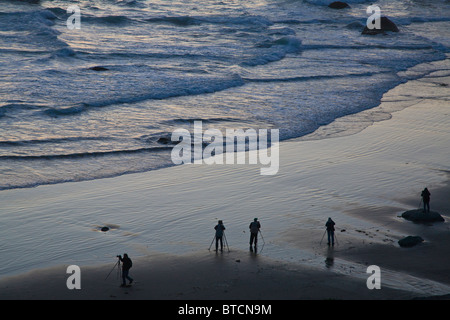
pixel 410 241
pixel 338 5
pixel 419 215
pixel 386 25
pixel 98 68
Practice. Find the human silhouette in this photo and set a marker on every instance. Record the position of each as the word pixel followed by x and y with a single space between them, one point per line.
pixel 126 265
pixel 426 200
pixel 220 228
pixel 330 231
pixel 254 229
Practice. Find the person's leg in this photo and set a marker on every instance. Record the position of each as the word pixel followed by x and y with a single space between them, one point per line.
pixel 332 237
pixel 329 236
pixel 217 243
pixel 252 238
pixel 124 276
pixel 129 278
pixel 221 244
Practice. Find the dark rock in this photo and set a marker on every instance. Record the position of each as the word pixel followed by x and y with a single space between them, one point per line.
pixel 166 140
pixel 386 25
pixel 98 68
pixel 338 5
pixel 410 241
pixel 356 25
pixel 104 229
pixel 419 215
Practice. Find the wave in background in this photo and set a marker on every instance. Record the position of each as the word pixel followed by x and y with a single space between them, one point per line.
pixel 95 102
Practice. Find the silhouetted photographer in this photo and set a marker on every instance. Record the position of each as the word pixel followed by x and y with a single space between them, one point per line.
pixel 426 195
pixel 126 265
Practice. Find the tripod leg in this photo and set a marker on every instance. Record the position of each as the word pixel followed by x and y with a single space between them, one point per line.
pixel 261 236
pixel 112 270
pixel 264 242
pixel 226 242
pixel 211 243
pixel 322 237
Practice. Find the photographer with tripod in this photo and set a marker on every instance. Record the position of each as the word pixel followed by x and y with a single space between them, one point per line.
pixel 254 230
pixel 220 228
pixel 126 265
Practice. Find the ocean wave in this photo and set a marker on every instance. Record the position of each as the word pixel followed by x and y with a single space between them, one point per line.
pixel 182 21
pixel 58 12
pixel 110 20
pixel 31 32
pixel 56 112
pixel 213 19
pixel 82 154
pixel 372 46
pixel 178 121
pixel 185 87
pixel 275 50
pixel 305 21
pixel 311 78
pixel 27 1
pixel 20 143
pixel 409 20
pixel 26 20
pixel 327 2
pixel 15 107
pixel 63 52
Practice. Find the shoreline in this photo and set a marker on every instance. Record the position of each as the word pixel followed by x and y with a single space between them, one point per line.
pixel 319 272
pixel 338 128
pixel 234 275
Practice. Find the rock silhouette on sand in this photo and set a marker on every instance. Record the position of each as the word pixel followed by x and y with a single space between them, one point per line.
pixel 410 241
pixel 386 25
pixel 419 215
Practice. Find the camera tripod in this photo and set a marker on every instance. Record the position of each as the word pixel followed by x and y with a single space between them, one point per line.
pixel 225 240
pixel 119 269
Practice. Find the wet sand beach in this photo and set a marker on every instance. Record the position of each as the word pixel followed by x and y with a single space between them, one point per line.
pixel 164 218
